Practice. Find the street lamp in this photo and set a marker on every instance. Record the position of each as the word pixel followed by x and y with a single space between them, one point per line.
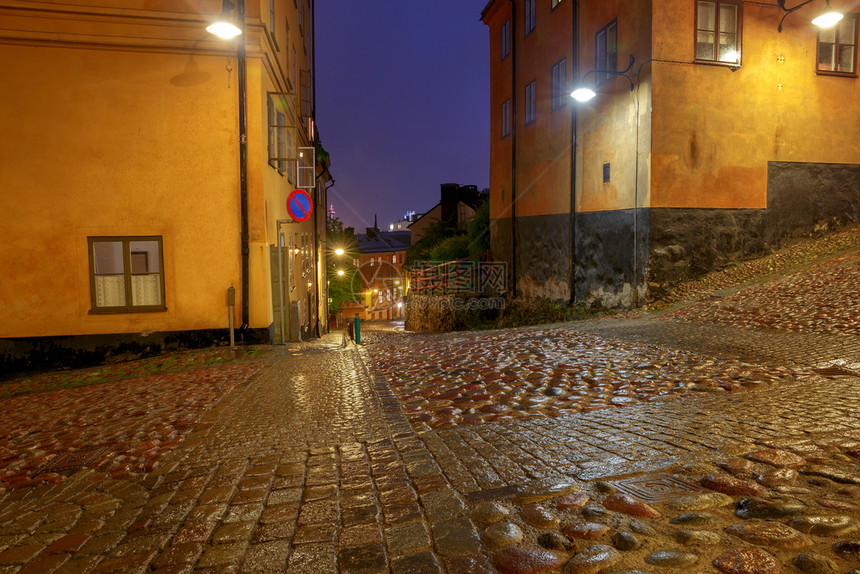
pixel 583 93
pixel 827 19
pixel 223 28
pixel 339 251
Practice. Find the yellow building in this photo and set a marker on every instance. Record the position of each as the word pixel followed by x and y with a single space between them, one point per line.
pixel 125 194
pixel 720 130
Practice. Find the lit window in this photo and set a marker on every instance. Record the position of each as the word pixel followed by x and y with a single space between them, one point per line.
pixel 559 85
pixel 606 50
pixel 506 39
pixel 718 32
pixel 531 101
pixel 506 118
pixel 125 274
pixel 837 47
pixel 530 16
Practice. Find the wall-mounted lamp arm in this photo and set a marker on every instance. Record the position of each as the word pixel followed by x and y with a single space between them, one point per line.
pixel 789 11
pixel 623 73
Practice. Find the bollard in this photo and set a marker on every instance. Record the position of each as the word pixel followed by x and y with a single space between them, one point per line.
pixel 231 302
pixel 357 330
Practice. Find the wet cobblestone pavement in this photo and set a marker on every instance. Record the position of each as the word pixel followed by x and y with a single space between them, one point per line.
pixel 819 299
pixel 685 448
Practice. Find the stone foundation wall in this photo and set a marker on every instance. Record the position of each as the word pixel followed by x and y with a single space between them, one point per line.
pixel 22 355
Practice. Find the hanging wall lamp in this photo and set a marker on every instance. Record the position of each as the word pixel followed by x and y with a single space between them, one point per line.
pixel 827 19
pixel 584 93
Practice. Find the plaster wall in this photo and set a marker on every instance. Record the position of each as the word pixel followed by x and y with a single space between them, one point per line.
pixel 715 130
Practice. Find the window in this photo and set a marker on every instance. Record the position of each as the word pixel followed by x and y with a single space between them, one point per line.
pixel 559 85
pixel 531 102
pixel 530 16
pixel 718 32
pixel 125 274
pixel 272 23
pixel 837 47
pixel 506 39
pixel 555 3
pixel 606 50
pixel 506 118
pixel 294 67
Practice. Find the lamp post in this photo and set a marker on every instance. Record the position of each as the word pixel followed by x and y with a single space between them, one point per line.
pixel 226 29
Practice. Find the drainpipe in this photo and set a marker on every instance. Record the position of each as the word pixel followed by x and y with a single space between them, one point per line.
pixel 514 148
pixel 574 116
pixel 243 169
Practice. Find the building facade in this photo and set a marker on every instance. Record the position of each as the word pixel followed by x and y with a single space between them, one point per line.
pixel 379 259
pixel 132 206
pixel 714 136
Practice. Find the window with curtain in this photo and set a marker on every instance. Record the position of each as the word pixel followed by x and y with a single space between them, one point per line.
pixel 718 32
pixel 126 274
pixel 837 48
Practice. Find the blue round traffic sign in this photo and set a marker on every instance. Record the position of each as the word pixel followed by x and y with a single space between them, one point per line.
pixel 299 205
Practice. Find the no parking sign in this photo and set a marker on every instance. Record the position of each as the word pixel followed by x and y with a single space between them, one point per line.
pixel 299 205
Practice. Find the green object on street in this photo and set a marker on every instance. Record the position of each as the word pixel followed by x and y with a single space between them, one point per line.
pixel 357 330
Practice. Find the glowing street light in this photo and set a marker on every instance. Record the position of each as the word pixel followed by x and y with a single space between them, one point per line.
pixel 224 28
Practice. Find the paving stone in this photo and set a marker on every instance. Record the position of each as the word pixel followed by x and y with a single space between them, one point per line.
pixel 778 477
pixel 593 559
pixel 629 505
pixel 730 485
pixel 777 458
pixel 773 534
pixel 672 559
pixel 585 530
pixel 418 564
pixel 371 558
pixel 747 561
pixel 556 542
pixel 825 525
pixel 360 535
pixel 704 501
pixel 313 559
pixel 538 516
pixel 488 512
pixel 501 534
pixel 455 537
pixel 526 561
pixel 698 537
pixel 407 538
pixel 625 541
pixel 774 507
pixel 697 520
pixel 815 563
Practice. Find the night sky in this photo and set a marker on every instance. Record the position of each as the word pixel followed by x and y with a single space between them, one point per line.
pixel 402 102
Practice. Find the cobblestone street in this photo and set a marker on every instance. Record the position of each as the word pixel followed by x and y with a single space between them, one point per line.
pixel 693 441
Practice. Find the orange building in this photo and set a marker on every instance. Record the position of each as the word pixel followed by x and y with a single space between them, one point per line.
pixel 713 136
pixel 133 198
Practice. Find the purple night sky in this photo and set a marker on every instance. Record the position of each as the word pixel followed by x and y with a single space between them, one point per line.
pixel 402 103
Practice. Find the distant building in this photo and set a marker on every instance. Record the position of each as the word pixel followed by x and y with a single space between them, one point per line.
pixel 457 205
pixel 403 224
pixel 714 136
pixel 379 260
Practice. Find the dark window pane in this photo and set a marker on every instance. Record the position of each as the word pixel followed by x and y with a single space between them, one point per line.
pixel 107 257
